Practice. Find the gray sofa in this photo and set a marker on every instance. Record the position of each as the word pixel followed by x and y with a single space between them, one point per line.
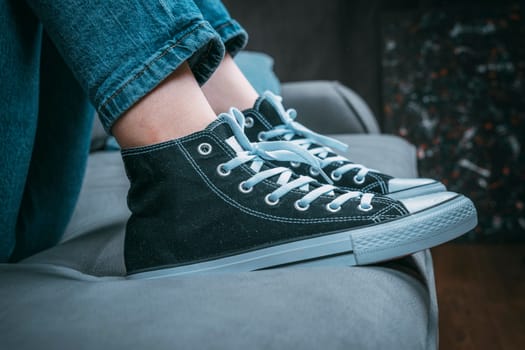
pixel 74 295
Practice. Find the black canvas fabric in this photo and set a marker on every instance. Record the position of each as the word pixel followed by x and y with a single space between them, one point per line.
pixel 184 212
pixel 265 118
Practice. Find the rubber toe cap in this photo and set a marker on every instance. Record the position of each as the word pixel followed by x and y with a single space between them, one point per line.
pixel 396 184
pixel 420 203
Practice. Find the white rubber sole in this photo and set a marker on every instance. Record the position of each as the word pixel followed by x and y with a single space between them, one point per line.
pixel 360 246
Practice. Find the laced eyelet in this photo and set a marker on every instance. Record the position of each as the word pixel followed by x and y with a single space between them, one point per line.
pixel 359 180
pixel 295 164
pixel 331 209
pixel 243 189
pixel 248 122
pixel 204 149
pixel 221 171
pixel 314 172
pixel 298 206
pixel 368 207
pixel 335 176
pixel 269 201
pixel 260 136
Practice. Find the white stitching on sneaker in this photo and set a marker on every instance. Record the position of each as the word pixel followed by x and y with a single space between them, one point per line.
pixel 258 153
pixel 285 219
pixel 179 143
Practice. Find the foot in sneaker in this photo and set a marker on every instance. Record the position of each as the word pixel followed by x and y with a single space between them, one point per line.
pixel 269 120
pixel 212 201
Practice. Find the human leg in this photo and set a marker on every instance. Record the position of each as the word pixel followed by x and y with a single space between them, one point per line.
pixel 151 120
pixel 19 59
pixel 121 50
pixel 89 39
pixel 58 159
pixel 228 86
pixel 175 108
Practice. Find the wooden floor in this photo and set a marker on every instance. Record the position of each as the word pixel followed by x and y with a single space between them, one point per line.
pixel 481 294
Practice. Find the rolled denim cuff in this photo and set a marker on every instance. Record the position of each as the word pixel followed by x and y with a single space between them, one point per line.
pixel 233 36
pixel 199 45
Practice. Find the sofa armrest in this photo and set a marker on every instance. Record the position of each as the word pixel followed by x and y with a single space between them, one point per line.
pixel 328 107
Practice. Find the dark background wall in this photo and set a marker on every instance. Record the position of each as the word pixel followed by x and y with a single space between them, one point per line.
pixel 329 39
pixel 309 39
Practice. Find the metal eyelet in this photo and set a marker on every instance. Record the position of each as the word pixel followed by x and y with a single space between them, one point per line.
pixel 333 210
pixel 221 171
pixel 248 122
pixel 244 189
pixel 367 208
pixel 295 164
pixel 359 180
pixel 335 176
pixel 298 206
pixel 204 149
pixel 269 201
pixel 314 172
pixel 260 136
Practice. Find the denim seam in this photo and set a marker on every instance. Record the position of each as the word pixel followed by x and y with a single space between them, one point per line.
pixel 237 31
pixel 146 67
pixel 153 72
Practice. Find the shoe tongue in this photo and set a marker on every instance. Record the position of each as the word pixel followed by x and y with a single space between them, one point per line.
pixel 269 111
pixel 223 131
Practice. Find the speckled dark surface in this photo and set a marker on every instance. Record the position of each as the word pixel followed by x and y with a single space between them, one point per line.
pixel 454 85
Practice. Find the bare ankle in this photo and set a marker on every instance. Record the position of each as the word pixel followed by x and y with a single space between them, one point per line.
pixel 175 108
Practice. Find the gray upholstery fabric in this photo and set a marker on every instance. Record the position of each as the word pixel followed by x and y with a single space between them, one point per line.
pixel 73 296
pixel 329 107
pixel 54 298
pixel 49 307
pixel 389 154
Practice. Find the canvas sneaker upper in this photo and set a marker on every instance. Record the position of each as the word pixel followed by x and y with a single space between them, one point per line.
pixel 269 120
pixel 214 201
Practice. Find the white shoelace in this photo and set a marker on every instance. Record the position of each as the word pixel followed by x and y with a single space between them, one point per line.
pixel 322 145
pixel 258 153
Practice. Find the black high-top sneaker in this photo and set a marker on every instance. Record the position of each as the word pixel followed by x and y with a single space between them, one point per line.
pixel 212 201
pixel 269 120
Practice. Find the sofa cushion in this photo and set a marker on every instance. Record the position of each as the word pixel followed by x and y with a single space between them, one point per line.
pixel 389 154
pixel 52 307
pixel 74 295
pixel 320 101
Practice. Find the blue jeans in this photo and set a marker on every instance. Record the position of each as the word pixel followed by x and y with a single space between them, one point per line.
pixel 61 58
